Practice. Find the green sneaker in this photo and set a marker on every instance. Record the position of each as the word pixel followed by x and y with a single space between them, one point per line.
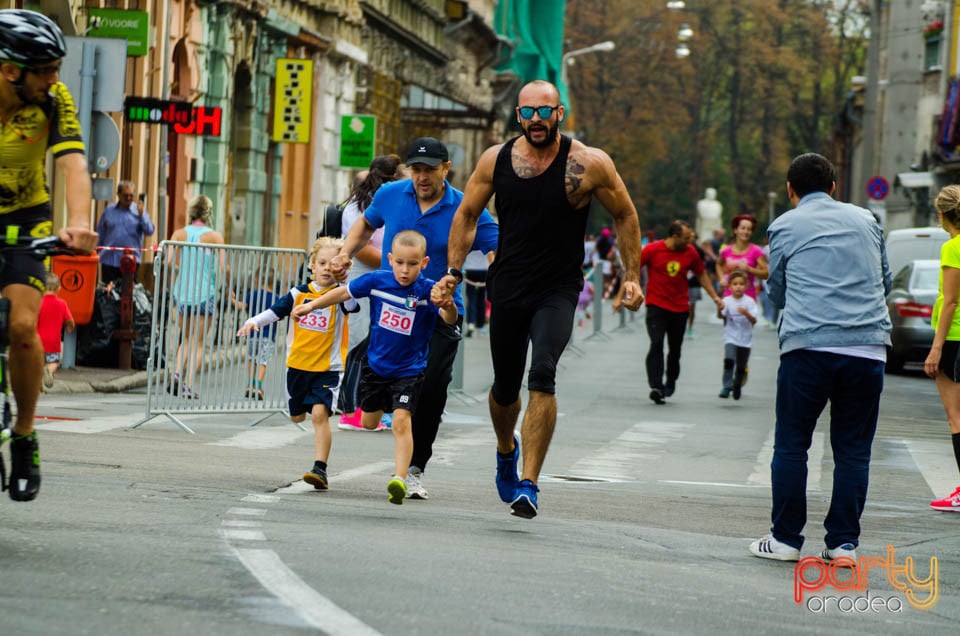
pixel 397 488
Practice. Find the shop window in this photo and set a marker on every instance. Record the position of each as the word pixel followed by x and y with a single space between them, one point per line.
pixel 931 53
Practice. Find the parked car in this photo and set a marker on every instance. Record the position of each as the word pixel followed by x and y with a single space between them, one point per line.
pixel 910 304
pixel 914 243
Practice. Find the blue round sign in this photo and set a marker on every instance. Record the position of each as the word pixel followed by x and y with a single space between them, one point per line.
pixel 878 188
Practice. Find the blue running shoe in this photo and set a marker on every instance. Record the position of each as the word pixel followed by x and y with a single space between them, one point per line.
pixel 525 503
pixel 507 480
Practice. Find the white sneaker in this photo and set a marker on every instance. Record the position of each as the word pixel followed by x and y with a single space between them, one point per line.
pixel 845 551
pixel 767 547
pixel 415 489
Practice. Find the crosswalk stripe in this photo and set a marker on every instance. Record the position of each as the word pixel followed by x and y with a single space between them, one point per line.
pixel 761 469
pixel 622 457
pixel 936 463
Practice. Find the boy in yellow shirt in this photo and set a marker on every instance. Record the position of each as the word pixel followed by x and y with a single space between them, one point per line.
pixel 316 354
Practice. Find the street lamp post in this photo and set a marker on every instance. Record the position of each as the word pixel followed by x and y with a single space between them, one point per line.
pixel 567 59
pixel 772 198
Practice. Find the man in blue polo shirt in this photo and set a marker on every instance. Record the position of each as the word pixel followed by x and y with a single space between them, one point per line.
pixel 426 203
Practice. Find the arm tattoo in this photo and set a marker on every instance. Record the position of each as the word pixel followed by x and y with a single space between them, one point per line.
pixel 574 175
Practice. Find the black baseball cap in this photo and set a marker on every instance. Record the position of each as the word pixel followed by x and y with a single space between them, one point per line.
pixel 428 151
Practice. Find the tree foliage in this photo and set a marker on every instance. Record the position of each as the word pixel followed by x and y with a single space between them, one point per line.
pixel 765 81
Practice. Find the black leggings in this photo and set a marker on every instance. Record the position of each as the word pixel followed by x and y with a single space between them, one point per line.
pixel 433 391
pixel 548 324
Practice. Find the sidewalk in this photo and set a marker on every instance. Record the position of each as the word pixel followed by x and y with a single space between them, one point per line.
pixel 97 380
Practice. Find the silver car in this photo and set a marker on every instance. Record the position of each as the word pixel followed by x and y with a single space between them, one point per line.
pixel 910 304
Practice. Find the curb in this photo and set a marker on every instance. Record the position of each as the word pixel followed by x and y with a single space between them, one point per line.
pixel 135 380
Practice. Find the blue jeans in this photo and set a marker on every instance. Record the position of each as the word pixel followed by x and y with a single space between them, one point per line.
pixel 805 382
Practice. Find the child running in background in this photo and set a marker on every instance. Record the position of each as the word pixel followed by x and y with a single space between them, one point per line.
pixel 54 317
pixel 739 314
pixel 318 347
pixel 401 324
pixel 585 299
pixel 261 345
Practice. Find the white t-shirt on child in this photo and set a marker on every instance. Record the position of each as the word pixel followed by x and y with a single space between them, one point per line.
pixel 737 329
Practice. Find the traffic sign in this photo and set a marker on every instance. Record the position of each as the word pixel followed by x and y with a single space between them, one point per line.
pixel 878 188
pixel 358 136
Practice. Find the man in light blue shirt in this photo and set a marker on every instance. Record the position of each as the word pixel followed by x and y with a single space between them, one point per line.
pixel 123 224
pixel 829 275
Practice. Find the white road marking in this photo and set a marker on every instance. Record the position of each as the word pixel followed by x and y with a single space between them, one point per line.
pixel 624 457
pixel 242 535
pixel 936 463
pixel 251 512
pixel 263 438
pixel 241 523
pixel 257 498
pixel 310 605
pixel 761 469
pixel 722 484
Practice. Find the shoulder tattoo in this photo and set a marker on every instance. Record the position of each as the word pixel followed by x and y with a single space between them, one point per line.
pixel 574 175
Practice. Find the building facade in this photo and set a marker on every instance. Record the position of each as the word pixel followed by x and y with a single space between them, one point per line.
pixel 423 67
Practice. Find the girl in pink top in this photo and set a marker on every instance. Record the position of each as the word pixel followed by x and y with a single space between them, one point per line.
pixel 742 255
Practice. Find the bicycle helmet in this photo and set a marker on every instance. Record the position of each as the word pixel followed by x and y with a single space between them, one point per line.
pixel 28 37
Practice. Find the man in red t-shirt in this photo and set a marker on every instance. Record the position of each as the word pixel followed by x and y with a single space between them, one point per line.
pixel 54 317
pixel 668 304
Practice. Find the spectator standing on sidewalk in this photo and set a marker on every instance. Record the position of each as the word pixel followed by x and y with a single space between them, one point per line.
pixel 260 346
pixel 425 203
pixel 544 183
pixel 668 262
pixel 829 274
pixel 194 290
pixel 123 224
pixel 317 350
pixel 943 361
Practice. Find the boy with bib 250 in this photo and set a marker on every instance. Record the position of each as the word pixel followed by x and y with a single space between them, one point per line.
pixel 401 323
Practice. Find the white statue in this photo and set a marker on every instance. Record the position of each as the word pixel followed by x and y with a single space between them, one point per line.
pixel 709 211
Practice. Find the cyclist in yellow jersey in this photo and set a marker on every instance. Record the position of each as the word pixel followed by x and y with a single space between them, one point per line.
pixel 36 115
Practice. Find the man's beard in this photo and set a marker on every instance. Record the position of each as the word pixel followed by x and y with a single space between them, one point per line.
pixel 35 99
pixel 548 140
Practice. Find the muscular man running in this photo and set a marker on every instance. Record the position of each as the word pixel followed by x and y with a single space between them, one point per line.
pixel 544 183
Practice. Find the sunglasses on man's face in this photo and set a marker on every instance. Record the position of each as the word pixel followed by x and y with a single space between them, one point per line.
pixel 544 112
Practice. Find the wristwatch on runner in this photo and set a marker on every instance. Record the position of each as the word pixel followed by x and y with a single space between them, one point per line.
pixel 456 273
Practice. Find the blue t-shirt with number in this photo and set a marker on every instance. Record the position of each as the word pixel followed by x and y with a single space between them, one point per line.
pixel 401 323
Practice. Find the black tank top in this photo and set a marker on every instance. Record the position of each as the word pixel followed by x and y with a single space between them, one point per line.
pixel 540 249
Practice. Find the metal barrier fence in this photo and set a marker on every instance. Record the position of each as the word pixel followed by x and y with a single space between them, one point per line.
pixel 202 294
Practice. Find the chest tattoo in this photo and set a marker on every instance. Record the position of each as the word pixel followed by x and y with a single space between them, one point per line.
pixel 523 167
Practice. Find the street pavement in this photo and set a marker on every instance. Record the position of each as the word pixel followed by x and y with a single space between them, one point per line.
pixel 646 513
